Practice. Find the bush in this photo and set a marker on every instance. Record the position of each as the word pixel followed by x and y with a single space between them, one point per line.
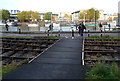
pixel 103 71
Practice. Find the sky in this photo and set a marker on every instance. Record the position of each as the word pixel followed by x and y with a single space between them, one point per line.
pixel 56 6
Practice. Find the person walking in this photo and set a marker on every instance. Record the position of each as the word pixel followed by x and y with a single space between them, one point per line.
pixel 81 28
pixel 100 25
pixel 109 26
pixel 6 25
pixel 51 26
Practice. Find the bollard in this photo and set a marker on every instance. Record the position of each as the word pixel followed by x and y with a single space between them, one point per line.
pixel 59 34
pixel 19 31
pixel 109 28
pixel 72 33
pixel 104 28
pixel 101 35
pixel 88 33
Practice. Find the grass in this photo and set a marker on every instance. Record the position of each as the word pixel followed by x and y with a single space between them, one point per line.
pixel 104 71
pixel 52 37
pixel 104 37
pixel 5 69
pixel 47 37
pixel 16 37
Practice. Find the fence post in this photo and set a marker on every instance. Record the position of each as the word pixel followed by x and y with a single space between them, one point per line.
pixel 48 33
pixel 72 33
pixel 104 28
pixel 88 33
pixel 19 30
pixel 101 35
pixel 59 33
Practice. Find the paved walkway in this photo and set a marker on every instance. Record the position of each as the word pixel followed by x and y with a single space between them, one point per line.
pixel 61 61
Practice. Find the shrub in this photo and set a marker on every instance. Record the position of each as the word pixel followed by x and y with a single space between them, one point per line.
pixel 104 71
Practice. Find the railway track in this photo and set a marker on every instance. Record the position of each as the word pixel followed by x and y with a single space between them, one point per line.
pixel 14 50
pixel 101 51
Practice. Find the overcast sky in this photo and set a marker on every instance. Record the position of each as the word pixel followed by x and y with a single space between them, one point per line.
pixel 109 6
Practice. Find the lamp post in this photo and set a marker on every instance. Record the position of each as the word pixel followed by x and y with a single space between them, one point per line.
pixel 95 18
pixel 104 20
pixel 51 17
pixel 104 16
pixel 84 17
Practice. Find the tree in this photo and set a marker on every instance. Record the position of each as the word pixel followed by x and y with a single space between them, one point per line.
pixel 66 15
pixel 28 15
pixel 92 14
pixel 97 14
pixel 53 18
pixel 81 16
pixel 47 16
pixel 23 15
pixel 5 14
pixel 114 18
pixel 110 18
pixel 70 16
pixel 34 15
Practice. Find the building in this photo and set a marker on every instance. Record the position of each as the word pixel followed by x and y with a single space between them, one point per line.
pixel 102 15
pixel 118 19
pixel 13 15
pixel 14 11
pixel 55 16
pixel 63 19
pixel 42 16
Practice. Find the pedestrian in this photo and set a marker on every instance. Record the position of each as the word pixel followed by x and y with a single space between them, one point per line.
pixel 109 26
pixel 6 25
pixel 81 28
pixel 51 26
pixel 100 26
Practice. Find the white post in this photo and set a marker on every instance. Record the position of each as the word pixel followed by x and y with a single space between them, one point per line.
pixel 51 17
pixel 84 17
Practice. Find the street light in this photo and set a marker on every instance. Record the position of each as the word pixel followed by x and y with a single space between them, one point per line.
pixel 104 17
pixel 95 18
pixel 84 17
pixel 51 17
pixel 104 20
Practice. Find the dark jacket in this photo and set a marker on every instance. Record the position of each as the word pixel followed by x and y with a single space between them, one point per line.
pixel 81 26
pixel 51 26
pixel 100 25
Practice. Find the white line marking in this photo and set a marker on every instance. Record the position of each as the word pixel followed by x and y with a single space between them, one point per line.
pixel 43 51
pixel 83 53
